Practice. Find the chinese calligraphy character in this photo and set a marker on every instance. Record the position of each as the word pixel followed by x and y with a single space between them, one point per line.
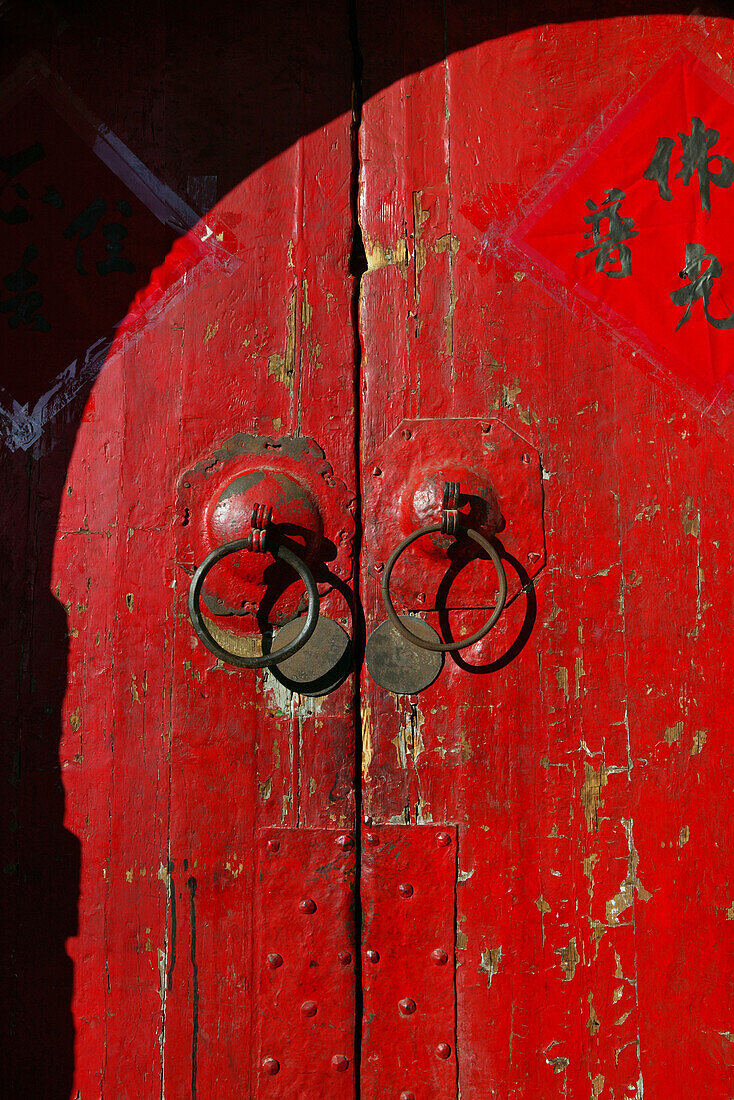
pixel 12 166
pixel 695 158
pixel 619 230
pixel 700 285
pixel 53 198
pixel 24 305
pixel 114 234
pixel 83 226
pixel 659 167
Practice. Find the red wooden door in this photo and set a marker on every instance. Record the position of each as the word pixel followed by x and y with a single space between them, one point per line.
pixel 541 882
pixel 139 772
pixel 577 754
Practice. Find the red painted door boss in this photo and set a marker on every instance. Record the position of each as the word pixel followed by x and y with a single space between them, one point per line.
pixel 366 440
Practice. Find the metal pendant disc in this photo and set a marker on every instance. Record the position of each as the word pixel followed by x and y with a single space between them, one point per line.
pixel 321 665
pixel 397 665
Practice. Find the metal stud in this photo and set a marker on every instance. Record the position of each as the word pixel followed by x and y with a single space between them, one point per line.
pixel 407 1006
pixel 271 1066
pixel 371 839
pixel 273 845
pixel 340 1062
pixel 309 1008
pixel 345 842
pixel 373 956
pixel 405 890
pixel 345 957
pixel 275 960
pixel 407 1095
pixel 307 906
pixel 443 1050
pixel 440 957
pixel 443 840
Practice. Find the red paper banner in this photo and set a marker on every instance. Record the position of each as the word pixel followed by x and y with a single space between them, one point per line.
pixel 639 227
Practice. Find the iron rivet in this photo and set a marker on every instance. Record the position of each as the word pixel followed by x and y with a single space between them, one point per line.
pixel 405 890
pixel 407 1006
pixel 439 957
pixel 421 597
pixel 345 842
pixel 307 906
pixel 526 459
pixel 373 956
pixel 443 840
pixel 407 1096
pixel 379 567
pixel 271 1066
pixel 345 958
pixel 443 1050
pixel 372 839
pixel 273 845
pixel 376 472
pixel 275 960
pixel 407 434
pixel 309 1008
pixel 340 1062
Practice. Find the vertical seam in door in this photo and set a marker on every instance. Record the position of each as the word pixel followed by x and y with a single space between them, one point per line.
pixel 450 337
pixel 297 317
pixel 357 267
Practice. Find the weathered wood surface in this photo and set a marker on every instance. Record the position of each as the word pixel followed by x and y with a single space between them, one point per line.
pixel 587 777
pixel 135 769
pixel 586 774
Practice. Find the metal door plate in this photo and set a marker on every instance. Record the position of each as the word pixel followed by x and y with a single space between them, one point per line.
pixel 321 665
pixel 502 493
pixel 304 973
pixel 398 666
pixel 409 920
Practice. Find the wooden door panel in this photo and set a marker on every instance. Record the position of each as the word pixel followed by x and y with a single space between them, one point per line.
pixel 577 754
pixel 592 940
pixel 240 740
pixel 139 768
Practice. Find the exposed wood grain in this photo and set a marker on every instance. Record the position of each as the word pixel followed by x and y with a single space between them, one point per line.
pixel 592 946
pixel 138 768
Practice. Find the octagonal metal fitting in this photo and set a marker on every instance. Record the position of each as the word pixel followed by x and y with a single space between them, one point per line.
pixel 501 497
pixel 312 514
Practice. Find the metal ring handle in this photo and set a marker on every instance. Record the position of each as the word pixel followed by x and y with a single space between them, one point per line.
pixel 268 659
pixel 444 647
